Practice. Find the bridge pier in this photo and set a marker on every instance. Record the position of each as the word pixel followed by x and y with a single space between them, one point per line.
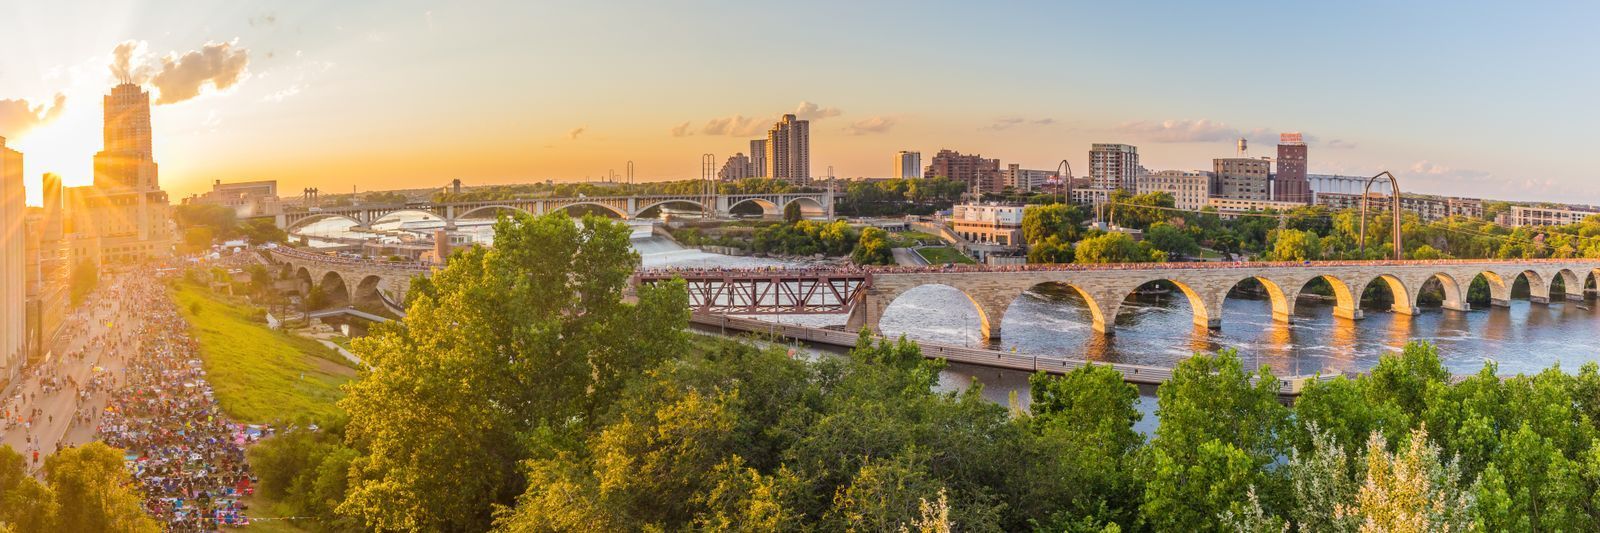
pixel 1575 297
pixel 1349 313
pixel 1539 299
pixel 1462 307
pixel 1500 302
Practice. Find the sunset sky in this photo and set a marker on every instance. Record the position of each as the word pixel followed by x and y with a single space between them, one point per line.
pixel 1479 99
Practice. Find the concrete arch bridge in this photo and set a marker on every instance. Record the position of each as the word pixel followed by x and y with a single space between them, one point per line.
pixel 368 285
pixel 1206 285
pixel 626 207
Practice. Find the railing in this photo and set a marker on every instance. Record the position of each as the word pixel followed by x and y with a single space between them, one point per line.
pixel 350 261
pixel 1075 267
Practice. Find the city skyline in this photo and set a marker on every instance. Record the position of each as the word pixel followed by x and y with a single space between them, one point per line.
pixel 415 94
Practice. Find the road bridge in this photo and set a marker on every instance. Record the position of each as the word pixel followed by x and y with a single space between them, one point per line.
pixel 627 207
pixel 365 284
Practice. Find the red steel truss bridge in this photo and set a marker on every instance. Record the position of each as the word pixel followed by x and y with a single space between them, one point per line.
pixel 777 292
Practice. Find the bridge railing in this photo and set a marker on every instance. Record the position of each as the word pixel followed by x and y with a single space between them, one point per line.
pixel 1075 267
pixel 350 261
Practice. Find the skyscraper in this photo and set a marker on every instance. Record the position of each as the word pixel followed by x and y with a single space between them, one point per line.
pixel 124 218
pixel 1290 184
pixel 736 168
pixel 758 158
pixel 13 263
pixel 907 165
pixel 980 175
pixel 1114 166
pixel 788 151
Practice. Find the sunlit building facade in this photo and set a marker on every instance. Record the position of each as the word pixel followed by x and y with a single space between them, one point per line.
pixel 124 217
pixel 788 153
pixel 13 263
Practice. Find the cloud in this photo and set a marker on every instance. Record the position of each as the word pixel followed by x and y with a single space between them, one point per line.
pixel 877 124
pixel 1340 144
pixel 18 116
pixel 742 126
pixel 181 77
pixel 1012 122
pixel 267 19
pixel 737 126
pixel 809 111
pixel 1189 131
pixel 1431 171
pixel 283 94
pixel 572 134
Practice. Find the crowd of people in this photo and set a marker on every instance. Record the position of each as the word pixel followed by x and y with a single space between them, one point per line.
pixel 186 456
pixel 1043 267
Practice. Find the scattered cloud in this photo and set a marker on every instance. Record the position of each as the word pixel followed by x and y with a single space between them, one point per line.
pixel 876 124
pixel 283 94
pixel 737 126
pixel 1340 144
pixel 181 77
pixel 572 134
pixel 743 126
pixel 265 19
pixel 1189 131
pixel 18 116
pixel 1012 122
pixel 809 111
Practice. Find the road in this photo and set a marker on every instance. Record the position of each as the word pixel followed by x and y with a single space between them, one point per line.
pixel 103 323
pixel 907 257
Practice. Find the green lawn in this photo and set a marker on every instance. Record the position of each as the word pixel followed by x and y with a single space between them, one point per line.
pixel 260 375
pixel 938 255
pixel 906 239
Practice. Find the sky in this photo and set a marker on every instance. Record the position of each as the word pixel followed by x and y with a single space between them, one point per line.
pixel 1483 99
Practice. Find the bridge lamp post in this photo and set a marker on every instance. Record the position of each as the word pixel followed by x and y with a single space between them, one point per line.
pixel 1394 208
pixel 1066 179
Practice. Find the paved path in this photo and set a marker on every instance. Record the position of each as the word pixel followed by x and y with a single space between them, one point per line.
pixel 908 257
pixel 96 332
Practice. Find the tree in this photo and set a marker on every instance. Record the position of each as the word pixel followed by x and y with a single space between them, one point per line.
pixel 262 230
pixel 1295 245
pixel 197 239
pixel 95 491
pixel 26 505
pixel 1172 240
pixel 1114 247
pixel 1411 490
pixel 530 334
pixel 1050 250
pixel 1086 419
pixel 873 248
pixel 1040 222
pixel 791 212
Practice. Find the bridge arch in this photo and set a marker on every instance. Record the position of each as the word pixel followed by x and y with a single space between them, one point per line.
pixel 1204 315
pixel 1099 318
pixel 1571 284
pixel 1403 297
pixel 302 275
pixel 663 203
pixel 1538 285
pixel 603 206
pixel 767 207
pixel 334 289
pixel 497 207
pixel 1346 301
pixel 1282 303
pixel 808 205
pixel 367 295
pixel 1454 293
pixel 390 214
pixel 318 217
pixel 986 328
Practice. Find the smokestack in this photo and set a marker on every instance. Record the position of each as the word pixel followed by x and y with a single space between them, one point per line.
pixel 1243 147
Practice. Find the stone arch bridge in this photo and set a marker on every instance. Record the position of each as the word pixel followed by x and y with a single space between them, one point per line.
pixel 626 207
pixel 369 285
pixel 1206 285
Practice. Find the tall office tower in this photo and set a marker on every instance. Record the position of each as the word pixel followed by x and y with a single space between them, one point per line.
pixel 1241 178
pixel 789 150
pixel 1114 166
pixel 907 165
pixel 758 158
pixel 124 218
pixel 13 263
pixel 980 175
pixel 1290 184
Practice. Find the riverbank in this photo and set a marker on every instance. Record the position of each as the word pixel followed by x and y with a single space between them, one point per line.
pixel 260 375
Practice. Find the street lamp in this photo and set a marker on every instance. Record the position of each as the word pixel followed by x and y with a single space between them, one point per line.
pixel 1394 208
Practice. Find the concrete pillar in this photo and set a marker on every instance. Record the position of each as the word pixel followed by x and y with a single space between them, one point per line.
pixel 1350 313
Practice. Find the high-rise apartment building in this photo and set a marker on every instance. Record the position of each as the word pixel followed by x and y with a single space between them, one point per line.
pixel 124 217
pixel 758 158
pixel 737 167
pixel 1241 178
pixel 788 150
pixel 907 165
pixel 13 263
pixel 1114 166
pixel 980 175
pixel 1290 184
